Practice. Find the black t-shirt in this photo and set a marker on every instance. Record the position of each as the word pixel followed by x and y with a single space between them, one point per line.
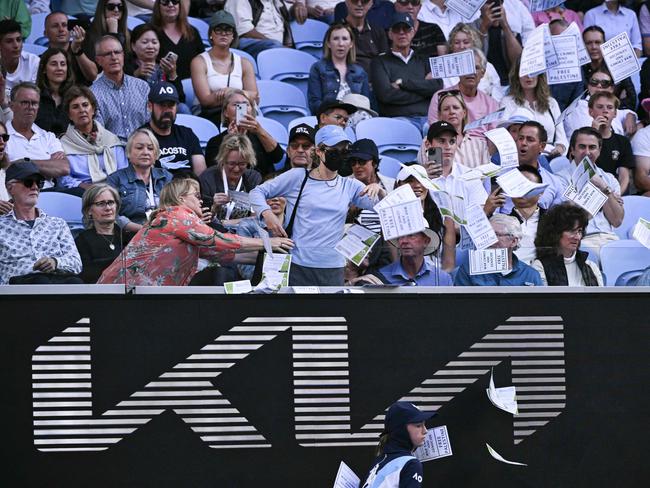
pixel 177 149
pixel 615 153
pixel 185 49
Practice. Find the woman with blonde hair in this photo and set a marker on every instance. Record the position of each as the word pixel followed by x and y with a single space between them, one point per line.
pixel 234 172
pixel 531 94
pixel 337 74
pixel 166 250
pixel 463 37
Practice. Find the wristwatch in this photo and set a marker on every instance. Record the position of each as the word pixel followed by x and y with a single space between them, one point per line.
pixel 607 191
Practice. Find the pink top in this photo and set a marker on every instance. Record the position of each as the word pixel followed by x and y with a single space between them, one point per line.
pixel 477 107
pixel 546 16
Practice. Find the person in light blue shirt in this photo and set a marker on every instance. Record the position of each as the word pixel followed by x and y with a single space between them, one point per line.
pixel 508 231
pixel 412 267
pixel 614 19
pixel 321 198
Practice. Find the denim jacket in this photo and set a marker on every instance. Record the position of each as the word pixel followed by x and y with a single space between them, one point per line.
pixel 324 82
pixel 133 192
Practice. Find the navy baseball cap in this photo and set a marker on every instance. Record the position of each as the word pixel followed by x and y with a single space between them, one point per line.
pixel 440 127
pixel 163 92
pixel 21 169
pixel 364 149
pixel 302 130
pixel 402 413
pixel 401 18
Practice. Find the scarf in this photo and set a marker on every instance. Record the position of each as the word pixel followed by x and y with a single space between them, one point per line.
pixel 74 142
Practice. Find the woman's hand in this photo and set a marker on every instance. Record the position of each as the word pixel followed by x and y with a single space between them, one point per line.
pixel 169 68
pixel 219 96
pixel 206 215
pixel 144 70
pixel 250 124
pixel 495 200
pixel 218 200
pixel 281 244
pixel 373 191
pixel 273 224
pixel 111 25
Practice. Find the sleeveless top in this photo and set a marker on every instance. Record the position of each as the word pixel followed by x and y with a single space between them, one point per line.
pixel 217 80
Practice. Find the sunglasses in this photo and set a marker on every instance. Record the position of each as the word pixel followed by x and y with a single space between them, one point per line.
pixel 115 6
pixel 355 162
pixel 170 2
pixel 4 137
pixel 306 146
pixel 29 182
pixel 448 93
pixel 360 2
pixel 601 83
pixel 415 3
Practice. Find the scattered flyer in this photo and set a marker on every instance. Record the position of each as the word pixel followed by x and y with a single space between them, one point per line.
pixel 450 65
pixel 496 116
pixel 275 270
pixel 481 172
pixel 346 478
pixel 549 49
pixel 485 261
pixel 538 54
pixel 498 457
pixel 305 290
pixel 541 5
pixel 641 232
pixel 588 197
pixel 465 8
pixel 506 146
pixel 356 243
pixel 400 213
pixel 583 173
pixel 504 398
pixel 241 198
pixel 451 206
pixel 479 228
pixel 237 287
pixel 516 185
pixel 620 57
pixel 266 240
pixel 436 445
pixel 568 69
pixel 574 30
pixel 466 243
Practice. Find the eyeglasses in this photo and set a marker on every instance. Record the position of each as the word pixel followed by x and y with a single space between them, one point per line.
pixel 355 162
pixel 29 182
pixel 105 203
pixel 170 2
pixel 4 137
pixel 28 103
pixel 509 236
pixel 579 232
pixel 224 30
pixel 401 28
pixel 306 146
pixel 339 117
pixel 415 3
pixel 115 6
pixel 448 93
pixel 601 83
pixel 114 52
pixel 241 164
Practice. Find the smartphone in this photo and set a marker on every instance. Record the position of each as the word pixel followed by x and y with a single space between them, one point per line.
pixel 496 3
pixel 434 162
pixel 494 185
pixel 241 111
pixel 171 56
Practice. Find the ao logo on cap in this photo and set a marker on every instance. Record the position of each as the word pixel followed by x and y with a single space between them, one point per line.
pixel 166 89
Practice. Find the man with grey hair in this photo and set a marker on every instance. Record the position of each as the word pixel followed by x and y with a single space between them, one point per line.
pixel 508 231
pixel 121 99
pixel 34 248
pixel 27 140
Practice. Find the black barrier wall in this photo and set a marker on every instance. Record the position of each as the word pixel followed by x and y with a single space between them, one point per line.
pixel 247 391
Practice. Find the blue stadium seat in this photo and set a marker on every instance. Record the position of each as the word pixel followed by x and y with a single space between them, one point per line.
pixel 389 166
pixel 188 89
pixel 635 207
pixel 201 26
pixel 245 55
pixel 617 257
pixel 63 205
pixel 34 48
pixel 203 128
pixel 394 138
pixel 310 120
pixel 133 22
pixel 281 101
pixel 629 278
pixel 288 65
pixel 308 37
pixel 38 28
pixel 276 129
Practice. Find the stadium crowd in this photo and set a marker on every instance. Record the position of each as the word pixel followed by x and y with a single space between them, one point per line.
pixel 98 116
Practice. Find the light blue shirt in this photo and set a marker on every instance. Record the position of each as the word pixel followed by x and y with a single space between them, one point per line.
pixel 79 172
pixel 428 275
pixel 623 20
pixel 320 217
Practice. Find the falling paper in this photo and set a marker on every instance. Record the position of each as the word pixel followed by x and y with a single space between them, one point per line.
pixel 465 8
pixel 479 228
pixel 450 65
pixel 481 172
pixel 485 261
pixel 506 146
pixel 641 232
pixel 356 243
pixel 237 287
pixel 400 213
pixel 589 197
pixel 620 57
pixel 488 119
pixel 275 270
pixel 436 445
pixel 498 457
pixel 568 68
pixel 516 185
pixel 504 398
pixel 346 478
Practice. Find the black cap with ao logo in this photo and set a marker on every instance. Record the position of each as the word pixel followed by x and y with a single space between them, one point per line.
pixel 402 413
pixel 163 92
pixel 440 127
pixel 302 130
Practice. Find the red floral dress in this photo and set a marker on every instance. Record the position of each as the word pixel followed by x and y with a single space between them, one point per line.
pixel 165 251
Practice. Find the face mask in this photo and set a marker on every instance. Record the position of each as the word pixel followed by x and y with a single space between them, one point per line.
pixel 334 159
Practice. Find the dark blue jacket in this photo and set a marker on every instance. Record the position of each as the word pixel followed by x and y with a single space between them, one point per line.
pixel 325 80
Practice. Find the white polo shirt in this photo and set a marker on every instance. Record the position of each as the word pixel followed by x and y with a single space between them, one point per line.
pixel 473 191
pixel 26 71
pixel 41 146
